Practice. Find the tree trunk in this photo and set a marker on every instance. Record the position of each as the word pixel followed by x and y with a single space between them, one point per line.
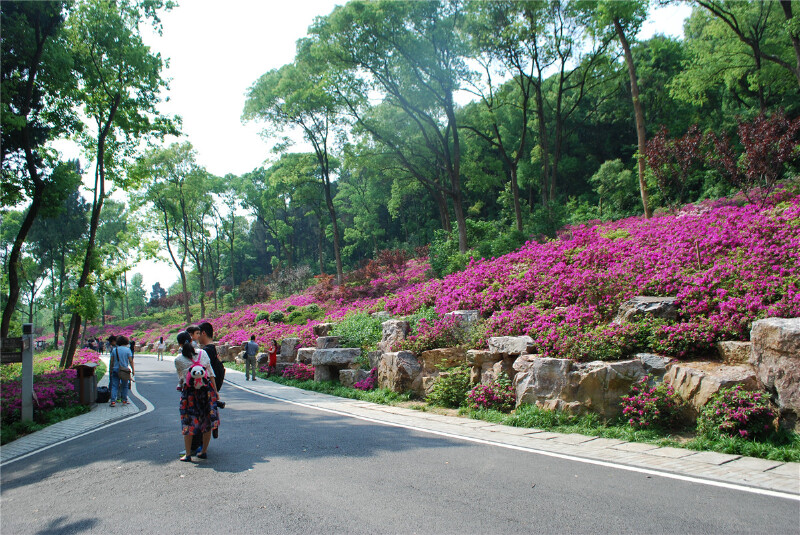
pixel 186 311
pixel 336 247
pixel 13 260
pixel 638 114
pixel 321 246
pixel 515 193
pixel 544 145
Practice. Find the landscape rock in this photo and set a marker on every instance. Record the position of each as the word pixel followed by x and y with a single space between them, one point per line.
pixel 350 377
pixel 434 360
pixel 262 359
pixel 374 358
pixel 394 332
pixel 341 356
pixel 695 382
pixel 490 371
pixel 464 318
pixel 398 370
pixel 510 345
pixel 776 358
pixel 644 306
pixel 239 358
pixel 288 352
pixel 576 387
pixel 733 353
pixel 476 357
pixel 304 354
pixel 327 342
pixel 655 365
pixel 323 329
pixel 382 315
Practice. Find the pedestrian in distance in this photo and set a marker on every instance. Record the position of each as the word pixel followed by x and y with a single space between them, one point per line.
pixel 161 347
pixel 198 405
pixel 250 352
pixel 272 364
pixel 121 370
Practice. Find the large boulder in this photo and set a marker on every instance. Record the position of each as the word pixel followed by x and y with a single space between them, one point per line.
pixel 476 357
pixel 323 329
pixel 350 377
pixel 374 358
pixel 328 362
pixel 734 353
pixel 464 318
pixel 304 354
pixel 776 358
pixel 655 365
pixel 643 306
pixel 398 370
pixel 327 342
pixel 510 345
pixel 288 352
pixel 576 387
pixel 394 332
pixel 435 360
pixel 695 382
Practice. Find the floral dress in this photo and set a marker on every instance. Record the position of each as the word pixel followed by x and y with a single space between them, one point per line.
pixel 198 408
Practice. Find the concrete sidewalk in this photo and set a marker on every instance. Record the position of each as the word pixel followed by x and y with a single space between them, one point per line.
pixel 719 467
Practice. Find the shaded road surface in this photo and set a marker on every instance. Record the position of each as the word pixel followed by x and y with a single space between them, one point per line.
pixel 281 468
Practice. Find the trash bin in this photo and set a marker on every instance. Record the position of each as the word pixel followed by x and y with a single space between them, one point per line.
pixel 86 382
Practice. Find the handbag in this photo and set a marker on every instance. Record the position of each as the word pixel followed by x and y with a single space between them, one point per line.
pixel 124 373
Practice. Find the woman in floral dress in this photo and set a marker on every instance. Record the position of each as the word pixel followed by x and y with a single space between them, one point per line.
pixel 198 406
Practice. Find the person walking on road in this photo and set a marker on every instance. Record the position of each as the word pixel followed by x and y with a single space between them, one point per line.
pixel 161 347
pixel 121 366
pixel 250 352
pixel 198 405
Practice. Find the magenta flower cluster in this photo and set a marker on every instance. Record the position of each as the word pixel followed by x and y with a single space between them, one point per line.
pixel 369 382
pixel 737 412
pixel 299 371
pixel 497 396
pixel 651 405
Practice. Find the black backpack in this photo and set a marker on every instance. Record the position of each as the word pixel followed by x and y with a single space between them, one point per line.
pixel 103 394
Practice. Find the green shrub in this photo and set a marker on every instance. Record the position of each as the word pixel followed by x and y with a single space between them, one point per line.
pixel 490 239
pixel 736 412
pixel 262 316
pixel 277 317
pixel 451 388
pixel 359 329
pixel 300 316
pixel 291 308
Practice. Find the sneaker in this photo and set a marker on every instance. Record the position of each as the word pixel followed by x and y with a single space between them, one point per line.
pixel 254 378
pixel 215 433
pixel 112 404
pixel 220 404
pixel 198 451
pixel 126 402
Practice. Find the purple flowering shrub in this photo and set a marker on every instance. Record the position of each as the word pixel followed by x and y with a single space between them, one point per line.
pixel 651 406
pixel 737 412
pixel 498 395
pixel 299 371
pixel 369 382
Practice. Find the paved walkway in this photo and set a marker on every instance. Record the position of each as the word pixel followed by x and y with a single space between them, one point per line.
pixel 719 468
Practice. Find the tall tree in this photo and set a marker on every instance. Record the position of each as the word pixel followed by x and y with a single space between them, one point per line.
pixel 37 84
pixel 299 95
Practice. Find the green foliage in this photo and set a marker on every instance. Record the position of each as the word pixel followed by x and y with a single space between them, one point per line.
pixel 12 431
pixel 301 316
pixel 261 316
pixel 450 389
pixel 359 329
pixel 277 317
pixel 489 240
pixel 735 412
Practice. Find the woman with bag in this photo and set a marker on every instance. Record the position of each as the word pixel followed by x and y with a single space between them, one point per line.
pixel 121 366
pixel 198 406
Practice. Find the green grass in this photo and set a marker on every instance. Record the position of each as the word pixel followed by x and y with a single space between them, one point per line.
pixel 783 446
pixel 13 431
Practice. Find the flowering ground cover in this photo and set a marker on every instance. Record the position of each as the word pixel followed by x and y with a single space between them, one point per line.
pixel 728 263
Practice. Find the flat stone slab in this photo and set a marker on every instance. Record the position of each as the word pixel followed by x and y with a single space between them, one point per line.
pixel 335 356
pixel 713 457
pixel 634 446
pixel 751 463
pixel 519 431
pixel 672 453
pixel 574 438
pixel 605 442
pixel 788 469
pixel 544 435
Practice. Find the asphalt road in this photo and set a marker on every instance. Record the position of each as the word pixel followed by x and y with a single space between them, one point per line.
pixel 281 468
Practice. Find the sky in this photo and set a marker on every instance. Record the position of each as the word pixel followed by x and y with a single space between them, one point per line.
pixel 217 50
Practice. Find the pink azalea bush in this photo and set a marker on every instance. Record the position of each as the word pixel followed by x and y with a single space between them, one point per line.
pixel 651 405
pixel 495 395
pixel 299 371
pixel 737 412
pixel 369 382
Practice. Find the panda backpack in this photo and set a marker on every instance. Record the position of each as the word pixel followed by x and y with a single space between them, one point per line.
pixel 196 374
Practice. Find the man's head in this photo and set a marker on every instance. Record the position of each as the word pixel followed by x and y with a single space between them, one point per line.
pixel 206 333
pixel 112 340
pixel 194 331
pixel 252 338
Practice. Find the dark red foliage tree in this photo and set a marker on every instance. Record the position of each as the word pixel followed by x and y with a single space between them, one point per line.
pixel 771 146
pixel 672 161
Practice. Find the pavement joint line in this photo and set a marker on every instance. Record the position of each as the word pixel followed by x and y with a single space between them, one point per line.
pixel 570 457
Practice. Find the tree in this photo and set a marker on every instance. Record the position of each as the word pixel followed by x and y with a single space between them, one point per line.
pixel 414 53
pixel 299 96
pixel 37 84
pixel 626 17
pixel 156 294
pixel 120 84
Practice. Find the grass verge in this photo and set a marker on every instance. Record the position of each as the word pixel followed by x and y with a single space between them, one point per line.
pixel 12 431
